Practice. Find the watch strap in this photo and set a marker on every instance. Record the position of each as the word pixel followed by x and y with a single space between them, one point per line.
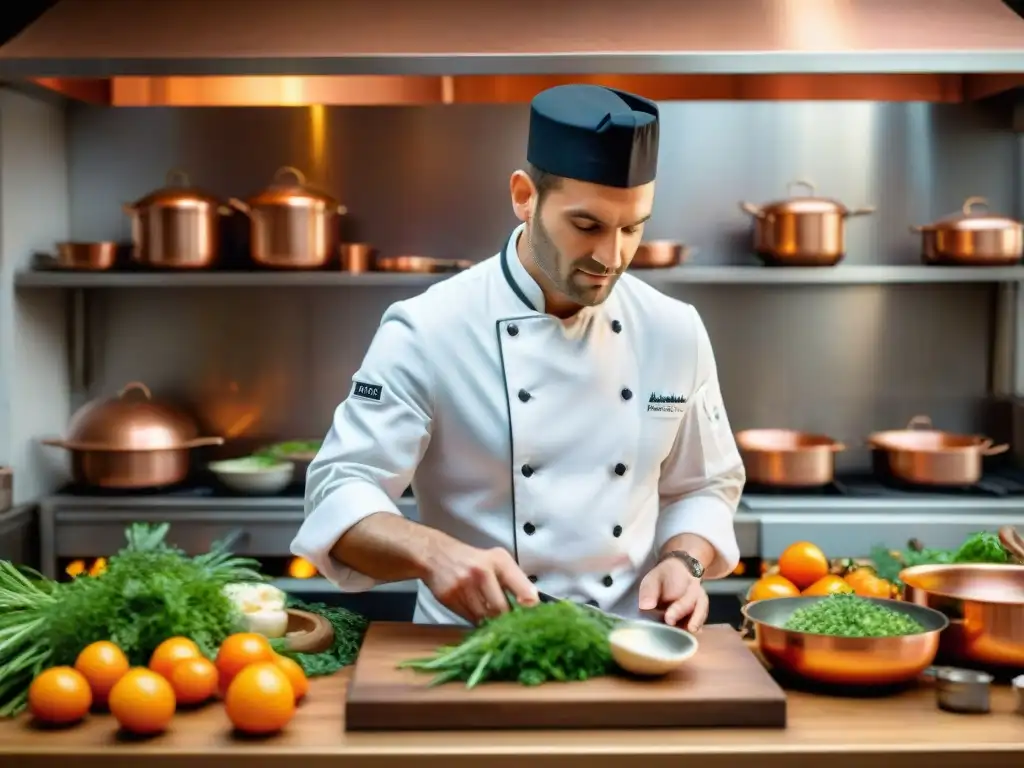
pixel 695 567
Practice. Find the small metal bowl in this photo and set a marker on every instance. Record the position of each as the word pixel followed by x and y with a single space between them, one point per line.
pixel 649 649
pixel 962 690
pixel 844 661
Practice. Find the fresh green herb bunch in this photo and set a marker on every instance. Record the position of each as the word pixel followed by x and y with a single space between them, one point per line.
pixel 978 547
pixel 349 630
pixel 846 615
pixel 558 641
pixel 25 600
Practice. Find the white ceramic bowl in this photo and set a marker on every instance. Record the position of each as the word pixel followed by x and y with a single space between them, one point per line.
pixel 252 477
pixel 650 649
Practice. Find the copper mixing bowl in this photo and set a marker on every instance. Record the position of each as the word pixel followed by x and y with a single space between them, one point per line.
pixel 853 661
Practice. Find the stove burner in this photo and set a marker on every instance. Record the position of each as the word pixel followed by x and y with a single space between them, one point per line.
pixel 998 483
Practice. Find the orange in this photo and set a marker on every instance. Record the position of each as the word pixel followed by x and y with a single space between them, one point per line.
pixel 827 585
pixel 59 696
pixel 102 664
pixel 260 699
pixel 295 675
pixel 170 652
pixel 803 564
pixel 239 651
pixel 194 680
pixel 142 701
pixel 867 584
pixel 768 587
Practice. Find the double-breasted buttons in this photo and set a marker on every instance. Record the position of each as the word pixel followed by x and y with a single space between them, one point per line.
pixel 513 329
pixel 532 578
pixel 617 531
pixel 529 529
pixel 627 394
pixel 592 603
pixel 607 581
pixel 527 470
pixel 616 326
pixel 620 469
pixel 524 395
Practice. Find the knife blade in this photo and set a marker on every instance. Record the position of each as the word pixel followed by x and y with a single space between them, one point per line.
pixel 657 616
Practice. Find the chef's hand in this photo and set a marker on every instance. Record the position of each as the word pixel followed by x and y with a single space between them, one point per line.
pixel 671 586
pixel 472 582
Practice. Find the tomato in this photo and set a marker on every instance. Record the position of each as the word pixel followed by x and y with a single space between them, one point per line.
pixel 239 651
pixel 867 584
pixel 59 696
pixel 768 587
pixel 194 681
pixel 102 664
pixel 260 699
pixel 827 585
pixel 170 652
pixel 142 702
pixel 295 675
pixel 803 564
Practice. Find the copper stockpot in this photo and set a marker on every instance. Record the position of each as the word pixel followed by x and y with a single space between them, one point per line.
pixel 660 254
pixel 801 231
pixel 985 604
pixel 92 257
pixel 922 455
pixel 788 458
pixel 131 441
pixel 292 226
pixel 972 238
pixel 177 226
pixel 859 661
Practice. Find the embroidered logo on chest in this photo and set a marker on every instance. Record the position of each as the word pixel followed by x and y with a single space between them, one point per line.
pixel 659 403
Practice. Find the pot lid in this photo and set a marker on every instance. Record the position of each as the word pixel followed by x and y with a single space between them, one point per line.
pixel 810 203
pixel 974 216
pixel 296 193
pixel 177 192
pixel 131 421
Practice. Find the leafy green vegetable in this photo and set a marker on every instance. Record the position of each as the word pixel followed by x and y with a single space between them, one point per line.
pixel 979 547
pixel 349 630
pixel 289 449
pixel 846 615
pixel 550 641
pixel 25 598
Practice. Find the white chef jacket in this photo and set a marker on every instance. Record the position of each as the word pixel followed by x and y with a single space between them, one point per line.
pixel 580 445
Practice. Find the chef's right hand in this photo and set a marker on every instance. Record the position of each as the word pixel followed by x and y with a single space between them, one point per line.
pixel 472 582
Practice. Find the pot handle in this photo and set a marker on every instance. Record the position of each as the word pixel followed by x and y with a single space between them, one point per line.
pixel 239 206
pixel 135 386
pixel 987 449
pixel 56 442
pixel 754 210
pixel 179 176
pixel 862 211
pixel 285 171
pixel 200 442
pixel 809 186
pixel 972 202
pixel 920 422
pixel 837 447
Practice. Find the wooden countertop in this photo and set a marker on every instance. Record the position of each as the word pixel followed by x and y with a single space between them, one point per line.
pixel 842 732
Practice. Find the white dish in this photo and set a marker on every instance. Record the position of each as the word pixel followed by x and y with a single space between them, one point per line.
pixel 650 649
pixel 253 478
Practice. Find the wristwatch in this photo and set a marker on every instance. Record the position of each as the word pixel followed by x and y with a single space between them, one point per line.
pixel 692 564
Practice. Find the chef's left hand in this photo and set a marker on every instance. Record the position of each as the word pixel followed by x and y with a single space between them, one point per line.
pixel 671 586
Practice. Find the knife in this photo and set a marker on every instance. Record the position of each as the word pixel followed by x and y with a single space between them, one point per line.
pixel 655 616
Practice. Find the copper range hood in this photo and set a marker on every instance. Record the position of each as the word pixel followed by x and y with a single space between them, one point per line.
pixel 300 52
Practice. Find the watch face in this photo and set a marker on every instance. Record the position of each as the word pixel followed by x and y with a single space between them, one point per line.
pixel 692 563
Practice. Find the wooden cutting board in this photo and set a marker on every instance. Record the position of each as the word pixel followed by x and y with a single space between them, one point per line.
pixel 723 685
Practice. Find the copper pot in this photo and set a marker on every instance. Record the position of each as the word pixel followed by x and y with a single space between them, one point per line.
pixel 177 226
pixel 660 254
pixel 923 455
pixel 785 457
pixel 801 231
pixel 293 226
pixel 972 238
pixel 91 257
pixel 131 441
pixel 420 264
pixel 356 258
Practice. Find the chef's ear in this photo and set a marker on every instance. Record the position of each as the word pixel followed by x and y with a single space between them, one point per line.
pixel 524 194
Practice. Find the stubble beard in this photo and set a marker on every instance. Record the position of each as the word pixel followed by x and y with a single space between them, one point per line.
pixel 547 258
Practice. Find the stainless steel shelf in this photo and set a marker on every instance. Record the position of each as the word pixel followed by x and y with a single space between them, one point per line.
pixel 690 275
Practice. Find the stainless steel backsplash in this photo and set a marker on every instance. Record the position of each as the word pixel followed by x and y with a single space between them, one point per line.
pixel 842 360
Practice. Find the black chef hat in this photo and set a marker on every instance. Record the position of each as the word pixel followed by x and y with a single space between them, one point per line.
pixel 592 133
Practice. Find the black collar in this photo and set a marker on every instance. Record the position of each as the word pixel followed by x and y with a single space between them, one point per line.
pixel 511 280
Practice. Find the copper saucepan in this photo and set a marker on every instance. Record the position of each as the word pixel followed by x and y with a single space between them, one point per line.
pixel 420 264
pixel 984 602
pixel 923 455
pixel 972 237
pixel 785 457
pixel 660 254
pixel 92 257
pixel 131 441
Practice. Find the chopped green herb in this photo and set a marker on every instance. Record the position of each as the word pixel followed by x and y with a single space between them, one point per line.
pixel 552 641
pixel 846 615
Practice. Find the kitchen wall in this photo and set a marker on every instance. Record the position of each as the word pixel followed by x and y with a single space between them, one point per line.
pixel 843 360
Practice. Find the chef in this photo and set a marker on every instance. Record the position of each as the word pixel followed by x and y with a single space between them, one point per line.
pixel 560 422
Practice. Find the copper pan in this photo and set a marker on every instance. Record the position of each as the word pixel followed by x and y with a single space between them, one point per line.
pixel 973 237
pixel 923 455
pixel 660 254
pixel 785 457
pixel 92 257
pixel 420 264
pixel 356 258
pixel 985 604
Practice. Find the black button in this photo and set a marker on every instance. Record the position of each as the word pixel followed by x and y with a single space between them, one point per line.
pixel 533 579
pixel 529 529
pixel 620 469
pixel 524 395
pixel 527 470
pixel 617 531
pixel 616 326
pixel 592 603
pixel 627 394
pixel 607 581
pixel 513 329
